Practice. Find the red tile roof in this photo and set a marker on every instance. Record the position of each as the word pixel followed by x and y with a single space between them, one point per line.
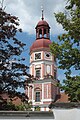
pixel 16 100
pixel 40 43
pixel 62 98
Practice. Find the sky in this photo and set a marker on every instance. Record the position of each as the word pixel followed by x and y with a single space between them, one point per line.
pixel 29 13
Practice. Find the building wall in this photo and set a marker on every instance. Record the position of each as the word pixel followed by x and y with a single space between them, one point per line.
pixel 47 65
pixel 58 114
pixel 48 90
pixel 66 114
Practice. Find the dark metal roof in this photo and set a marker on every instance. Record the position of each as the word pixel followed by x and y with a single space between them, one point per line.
pixel 65 105
pixel 26 115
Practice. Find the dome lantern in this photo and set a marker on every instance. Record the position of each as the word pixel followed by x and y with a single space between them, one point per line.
pixel 42 36
pixel 42 29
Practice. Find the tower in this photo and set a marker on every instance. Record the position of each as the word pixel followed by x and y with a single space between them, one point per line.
pixel 43 68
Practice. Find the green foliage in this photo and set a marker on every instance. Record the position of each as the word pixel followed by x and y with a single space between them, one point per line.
pixel 7 105
pixel 24 106
pixel 72 88
pixel 37 108
pixel 67 50
pixel 12 69
pixel 20 107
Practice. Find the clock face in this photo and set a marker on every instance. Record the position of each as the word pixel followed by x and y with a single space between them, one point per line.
pixel 48 55
pixel 37 56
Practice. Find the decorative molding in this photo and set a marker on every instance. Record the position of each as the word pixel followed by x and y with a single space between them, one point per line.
pixel 33 93
pixel 41 61
pixel 42 91
pixel 47 91
pixel 28 91
pixel 47 100
pixel 47 80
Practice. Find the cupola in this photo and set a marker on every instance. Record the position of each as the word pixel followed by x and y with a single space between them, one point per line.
pixel 42 35
pixel 42 29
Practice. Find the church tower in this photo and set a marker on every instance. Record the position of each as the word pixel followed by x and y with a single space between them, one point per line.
pixel 43 67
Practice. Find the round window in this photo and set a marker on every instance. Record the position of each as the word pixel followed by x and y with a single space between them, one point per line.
pixel 47 55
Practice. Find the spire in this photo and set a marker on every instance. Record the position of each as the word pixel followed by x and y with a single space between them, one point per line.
pixel 42 13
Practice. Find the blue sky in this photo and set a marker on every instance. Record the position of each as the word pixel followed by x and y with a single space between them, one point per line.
pixel 29 13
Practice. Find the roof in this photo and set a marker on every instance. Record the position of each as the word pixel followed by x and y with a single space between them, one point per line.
pixel 63 102
pixel 68 105
pixel 62 98
pixel 16 100
pixel 42 23
pixel 40 43
pixel 27 115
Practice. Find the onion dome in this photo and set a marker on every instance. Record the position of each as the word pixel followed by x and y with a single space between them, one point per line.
pixel 40 44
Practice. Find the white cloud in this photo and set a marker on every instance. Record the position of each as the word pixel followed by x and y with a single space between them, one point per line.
pixel 29 13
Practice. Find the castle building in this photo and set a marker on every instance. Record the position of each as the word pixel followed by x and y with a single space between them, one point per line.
pixel 43 67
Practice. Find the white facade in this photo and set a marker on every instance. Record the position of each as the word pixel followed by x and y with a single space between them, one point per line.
pixel 66 114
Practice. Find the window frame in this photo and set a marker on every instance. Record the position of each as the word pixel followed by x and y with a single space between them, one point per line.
pixel 47 57
pixel 38 55
pixel 37 96
pixel 39 74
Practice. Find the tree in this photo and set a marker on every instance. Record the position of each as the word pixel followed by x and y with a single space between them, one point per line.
pixel 12 69
pixel 67 50
pixel 24 106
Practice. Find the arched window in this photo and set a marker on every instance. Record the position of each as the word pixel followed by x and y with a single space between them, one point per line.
pixel 40 33
pixel 38 72
pixel 45 33
pixel 55 75
pixel 37 96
